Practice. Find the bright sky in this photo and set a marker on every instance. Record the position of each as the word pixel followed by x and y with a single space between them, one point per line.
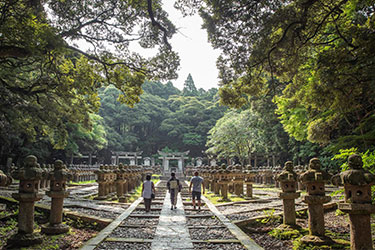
pixel 197 56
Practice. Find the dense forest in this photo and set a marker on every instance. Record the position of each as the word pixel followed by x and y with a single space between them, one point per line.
pixel 296 80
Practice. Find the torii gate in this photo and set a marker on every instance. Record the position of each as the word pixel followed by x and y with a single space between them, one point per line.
pixel 133 156
pixel 180 156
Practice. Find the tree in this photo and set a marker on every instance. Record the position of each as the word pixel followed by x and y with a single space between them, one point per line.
pixel 48 81
pixel 236 135
pixel 189 87
pixel 321 53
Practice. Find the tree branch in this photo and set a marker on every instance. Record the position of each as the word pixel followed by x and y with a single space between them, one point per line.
pixel 157 24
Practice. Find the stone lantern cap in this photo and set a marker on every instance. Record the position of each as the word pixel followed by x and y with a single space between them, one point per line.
pixel 59 172
pixel 357 182
pixel 288 174
pixel 355 175
pixel 315 173
pixel 29 171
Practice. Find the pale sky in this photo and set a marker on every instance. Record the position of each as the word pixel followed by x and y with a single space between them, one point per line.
pixel 197 56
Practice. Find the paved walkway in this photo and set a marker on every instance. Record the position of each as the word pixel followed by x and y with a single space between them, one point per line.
pixel 172 232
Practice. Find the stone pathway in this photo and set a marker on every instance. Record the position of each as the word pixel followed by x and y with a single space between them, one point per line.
pixel 172 232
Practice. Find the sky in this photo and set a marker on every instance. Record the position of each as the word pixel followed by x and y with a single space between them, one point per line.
pixel 197 56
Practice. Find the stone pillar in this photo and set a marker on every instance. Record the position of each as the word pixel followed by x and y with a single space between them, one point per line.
pixel 357 183
pixel 120 181
pixel 216 176
pixel 314 179
pixel 57 192
pixel 288 181
pixel 180 165
pixel 29 175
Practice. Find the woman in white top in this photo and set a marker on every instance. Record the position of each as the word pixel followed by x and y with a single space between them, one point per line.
pixel 147 189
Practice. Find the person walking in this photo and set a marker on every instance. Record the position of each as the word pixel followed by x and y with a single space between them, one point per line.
pixel 173 187
pixel 197 183
pixel 148 189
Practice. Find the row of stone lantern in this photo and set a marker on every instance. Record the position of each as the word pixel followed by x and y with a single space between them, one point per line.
pixel 222 179
pixel 119 180
pixel 30 175
pixel 357 183
pixel 82 173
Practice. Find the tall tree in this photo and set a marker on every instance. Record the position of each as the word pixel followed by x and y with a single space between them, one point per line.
pixel 189 87
pixel 322 53
pixel 48 81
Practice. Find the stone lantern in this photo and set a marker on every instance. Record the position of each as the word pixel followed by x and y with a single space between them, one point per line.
pixel 58 179
pixel 314 179
pixel 107 180
pixel 132 176
pixel 288 182
pixel 29 175
pixel 249 175
pixel 126 175
pixel 216 175
pixel 223 182
pixel 357 183
pixel 120 181
pixel 204 174
pixel 238 180
pixel 101 183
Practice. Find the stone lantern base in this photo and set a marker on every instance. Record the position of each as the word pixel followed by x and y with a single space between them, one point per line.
pixel 122 199
pixel 317 240
pixel 55 229
pixel 100 198
pixel 24 240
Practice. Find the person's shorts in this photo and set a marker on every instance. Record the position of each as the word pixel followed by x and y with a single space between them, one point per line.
pixel 196 195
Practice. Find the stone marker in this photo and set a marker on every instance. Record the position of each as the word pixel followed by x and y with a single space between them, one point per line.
pixel 57 192
pixel 249 181
pixel 29 175
pixel 223 182
pixel 101 183
pixel 357 183
pixel 120 181
pixel 314 179
pixel 288 182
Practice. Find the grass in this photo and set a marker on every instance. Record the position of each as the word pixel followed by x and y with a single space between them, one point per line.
pixel 136 195
pixel 216 199
pixel 82 182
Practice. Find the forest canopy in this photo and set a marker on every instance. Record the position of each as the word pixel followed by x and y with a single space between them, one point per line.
pixel 300 74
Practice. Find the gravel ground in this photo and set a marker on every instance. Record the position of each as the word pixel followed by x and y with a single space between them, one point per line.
pixel 269 243
pixel 99 213
pixel 197 212
pixel 339 225
pixel 210 234
pixel 229 246
pixel 129 232
pixel 137 212
pixel 204 222
pixel 123 245
pixel 244 216
pixel 149 222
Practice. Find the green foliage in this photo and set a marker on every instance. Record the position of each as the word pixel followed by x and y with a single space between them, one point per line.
pixel 49 84
pixel 316 58
pixel 368 158
pixel 270 217
pixel 284 234
pixel 189 87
